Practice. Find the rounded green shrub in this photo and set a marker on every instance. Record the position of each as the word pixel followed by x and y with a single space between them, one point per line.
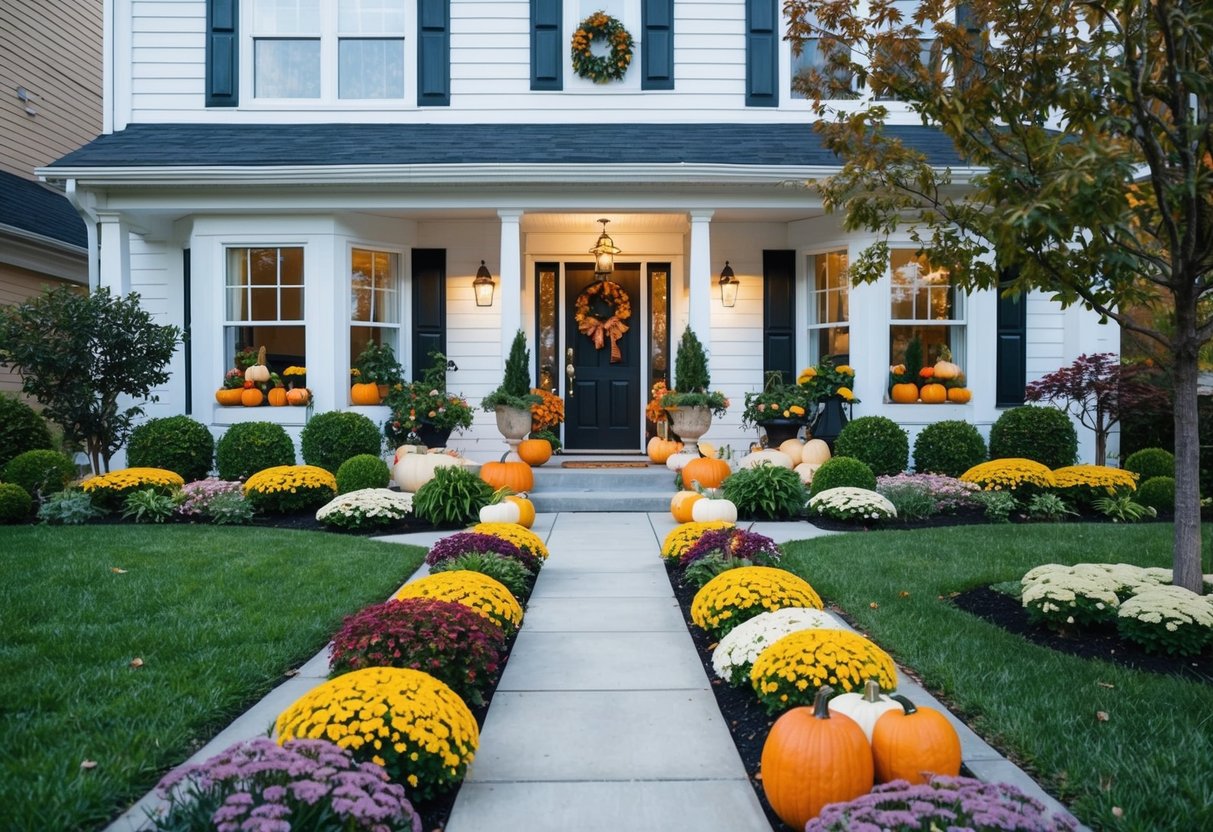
pixel 843 470
pixel 1043 434
pixel 1151 462
pixel 362 471
pixel 249 447
pixel 174 443
pixel 768 492
pixel 950 447
pixel 15 503
pixel 331 438
pixel 21 429
pixel 877 441
pixel 41 472
pixel 1157 493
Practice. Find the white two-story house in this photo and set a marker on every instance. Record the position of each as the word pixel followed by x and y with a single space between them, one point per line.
pixel 311 175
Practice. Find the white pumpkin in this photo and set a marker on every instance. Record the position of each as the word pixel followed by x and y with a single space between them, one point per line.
pixel 766 457
pixel 815 450
pixel 407 449
pixel 807 470
pixel 414 470
pixel 709 510
pixel 503 512
pixel 678 460
pixel 865 708
pixel 793 448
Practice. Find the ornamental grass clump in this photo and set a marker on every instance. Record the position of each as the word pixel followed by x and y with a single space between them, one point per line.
pixel 790 671
pixel 734 656
pixel 285 489
pixel 451 642
pixel 366 508
pixel 480 592
pixel 407 721
pixel 306 785
pixel 686 535
pixel 1064 597
pixel 852 504
pixel 521 537
pixel 740 594
pixel 462 543
pixel 508 572
pixel 1167 619
pixel 1023 477
pixel 453 497
pixel 728 548
pixel 109 490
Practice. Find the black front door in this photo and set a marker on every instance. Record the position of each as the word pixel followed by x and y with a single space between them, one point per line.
pixel 603 398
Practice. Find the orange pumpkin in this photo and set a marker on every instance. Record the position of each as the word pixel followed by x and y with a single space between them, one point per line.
pixel 660 449
pixel 516 476
pixel 535 451
pixel 906 393
pixel 526 510
pixel 811 758
pixel 708 472
pixel 228 396
pixel 933 393
pixel 299 396
pixel 682 503
pixel 251 397
pixel 364 394
pixel 960 395
pixel 277 396
pixel 914 745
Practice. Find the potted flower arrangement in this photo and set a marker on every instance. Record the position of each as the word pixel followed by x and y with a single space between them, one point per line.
pixel 828 387
pixel 691 404
pixel 546 417
pixel 513 399
pixel 375 367
pixel 423 412
pixel 779 409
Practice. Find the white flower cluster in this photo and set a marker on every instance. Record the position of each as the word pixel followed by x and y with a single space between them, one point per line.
pixel 739 649
pixel 367 506
pixel 1171 606
pixel 848 503
pixel 1057 592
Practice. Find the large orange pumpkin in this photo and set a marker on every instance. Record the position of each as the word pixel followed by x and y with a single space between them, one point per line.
pixel 933 393
pixel 364 394
pixel 812 758
pixel 229 396
pixel 906 393
pixel 535 451
pixel 661 449
pixel 682 503
pixel 914 745
pixel 251 397
pixel 277 396
pixel 960 395
pixel 516 476
pixel 298 396
pixel 526 510
pixel 708 472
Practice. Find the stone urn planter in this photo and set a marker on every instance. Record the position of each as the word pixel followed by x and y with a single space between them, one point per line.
pixel 514 424
pixel 690 423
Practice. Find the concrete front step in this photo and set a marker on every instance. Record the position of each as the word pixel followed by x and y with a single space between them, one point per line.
pixel 602 489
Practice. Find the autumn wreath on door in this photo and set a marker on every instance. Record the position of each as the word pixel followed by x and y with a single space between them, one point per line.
pixel 600 312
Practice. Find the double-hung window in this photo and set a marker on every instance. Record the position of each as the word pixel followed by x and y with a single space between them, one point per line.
pixel 374 300
pixel 825 57
pixel 264 305
pixel 829 308
pixel 924 304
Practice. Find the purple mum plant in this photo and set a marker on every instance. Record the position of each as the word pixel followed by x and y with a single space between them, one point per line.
pixel 734 544
pixel 462 543
pixel 301 786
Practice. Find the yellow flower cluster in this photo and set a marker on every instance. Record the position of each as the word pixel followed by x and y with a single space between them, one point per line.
pixel 520 536
pixel 1009 474
pixel 109 489
pixel 407 721
pixel 290 478
pixel 740 594
pixel 790 671
pixel 481 593
pixel 1111 480
pixel 295 371
pixel 685 536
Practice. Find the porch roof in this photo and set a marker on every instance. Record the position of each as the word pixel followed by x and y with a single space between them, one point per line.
pixel 33 208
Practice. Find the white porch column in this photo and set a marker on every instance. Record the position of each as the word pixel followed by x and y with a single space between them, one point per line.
pixel 510 290
pixel 115 256
pixel 699 278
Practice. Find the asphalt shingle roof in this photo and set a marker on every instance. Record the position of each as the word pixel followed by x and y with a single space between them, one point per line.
pixel 33 207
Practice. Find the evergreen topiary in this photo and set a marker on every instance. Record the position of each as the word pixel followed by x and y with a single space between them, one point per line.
pixel 1151 462
pixel 249 447
pixel 950 447
pixel 515 389
pixel 362 471
pixel 843 470
pixel 1043 434
pixel 41 472
pixel 877 441
pixel 1157 493
pixel 691 366
pixel 15 503
pixel 174 443
pixel 21 429
pixel 331 438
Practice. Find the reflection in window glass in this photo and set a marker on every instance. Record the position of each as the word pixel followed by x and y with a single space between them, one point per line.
pixel 374 300
pixel 263 304
pixel 923 303
pixel 547 344
pixel 659 313
pixel 370 68
pixel 829 308
pixel 286 68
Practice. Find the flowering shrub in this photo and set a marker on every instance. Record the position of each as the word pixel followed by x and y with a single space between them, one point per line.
pixel 728 548
pixel 307 785
pixel 1065 596
pixel 740 594
pixel 508 572
pixel 1167 619
pixel 684 536
pixel 1108 480
pixel 198 495
pixel 480 592
pixel 790 671
pixel 451 642
pixel 109 490
pixel 846 503
pixel 1010 474
pixel 287 488
pixel 735 654
pixel 548 412
pixel 407 721
pixel 943 803
pixel 521 537
pixel 947 494
pixel 366 507
pixel 456 545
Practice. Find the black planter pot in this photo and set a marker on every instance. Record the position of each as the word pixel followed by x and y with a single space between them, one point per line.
pixel 779 431
pixel 830 420
pixel 433 437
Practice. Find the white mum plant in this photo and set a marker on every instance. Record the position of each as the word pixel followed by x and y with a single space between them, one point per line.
pixel 1066 596
pixel 1167 619
pixel 848 503
pixel 366 507
pixel 737 651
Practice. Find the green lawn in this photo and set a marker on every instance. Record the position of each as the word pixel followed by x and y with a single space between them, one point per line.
pixel 217 615
pixel 1152 758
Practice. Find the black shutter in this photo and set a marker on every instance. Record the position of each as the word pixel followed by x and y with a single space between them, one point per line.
pixel 429 307
pixel 1011 367
pixel 222 53
pixel 779 313
pixel 547 45
pixel 657 45
pixel 433 53
pixel 761 53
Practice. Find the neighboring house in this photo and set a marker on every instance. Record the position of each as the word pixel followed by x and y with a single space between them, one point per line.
pixel 50 85
pixel 310 175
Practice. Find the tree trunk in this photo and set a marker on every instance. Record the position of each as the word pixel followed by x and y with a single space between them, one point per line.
pixel 1187 565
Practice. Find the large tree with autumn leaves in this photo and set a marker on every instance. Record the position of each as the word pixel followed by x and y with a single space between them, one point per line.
pixel 1085 130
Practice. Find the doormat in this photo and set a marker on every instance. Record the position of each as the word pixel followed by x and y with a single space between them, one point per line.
pixel 604 465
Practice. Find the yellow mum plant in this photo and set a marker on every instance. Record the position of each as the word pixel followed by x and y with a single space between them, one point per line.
pixel 287 488
pixel 1009 474
pixel 790 671
pixel 407 721
pixel 1095 478
pixel 485 595
pixel 110 489
pixel 740 594
pixel 520 536
pixel 686 535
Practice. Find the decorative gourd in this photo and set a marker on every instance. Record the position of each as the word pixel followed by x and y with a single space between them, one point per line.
pixel 277 396
pixel 768 456
pixel 516 476
pixel 865 708
pixel 298 396
pixel 258 373
pixel 812 758
pixel 503 512
pixel 681 504
pixel 228 396
pixel 959 395
pixel 535 451
pixel 661 449
pixel 710 509
pixel 807 470
pixel 709 473
pixel 933 393
pixel 251 397
pixel 412 471
pixel 526 510
pixel 944 368
pixel 904 393
pixel 816 451
pixel 793 448
pixel 676 461
pixel 914 745
pixel 364 394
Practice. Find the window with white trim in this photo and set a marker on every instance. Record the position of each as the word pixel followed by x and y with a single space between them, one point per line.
pixel 923 302
pixel 829 308
pixel 263 305
pixel 374 300
pixel 821 54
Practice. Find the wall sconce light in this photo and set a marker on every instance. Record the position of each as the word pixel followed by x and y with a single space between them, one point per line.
pixel 483 286
pixel 728 286
pixel 604 252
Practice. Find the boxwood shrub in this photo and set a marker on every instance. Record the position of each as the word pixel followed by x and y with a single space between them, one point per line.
pixel 1157 493
pixel 21 429
pixel 362 471
pixel 877 441
pixel 331 438
pixel 843 470
pixel 1151 462
pixel 1044 434
pixel 249 447
pixel 15 503
pixel 174 443
pixel 950 447
pixel 40 472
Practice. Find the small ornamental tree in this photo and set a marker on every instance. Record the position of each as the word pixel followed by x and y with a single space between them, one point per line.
pixel 691 365
pixel 78 354
pixel 515 389
pixel 1096 389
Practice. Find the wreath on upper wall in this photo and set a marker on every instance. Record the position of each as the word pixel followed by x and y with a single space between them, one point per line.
pixel 607 324
pixel 610 67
